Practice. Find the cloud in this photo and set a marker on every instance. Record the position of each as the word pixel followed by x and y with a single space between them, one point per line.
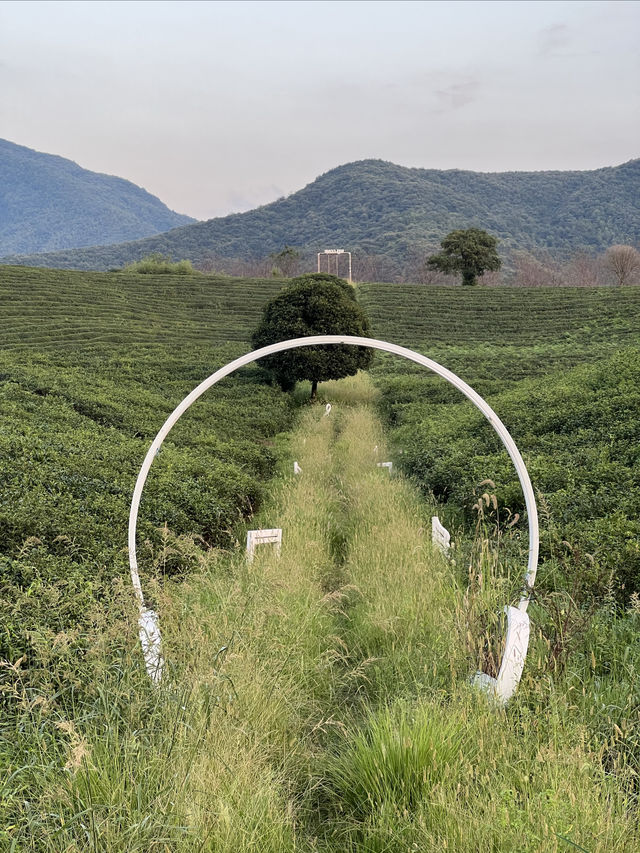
pixel 238 201
pixel 456 95
pixel 553 39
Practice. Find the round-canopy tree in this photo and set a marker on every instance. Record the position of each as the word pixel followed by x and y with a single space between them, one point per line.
pixel 470 252
pixel 314 304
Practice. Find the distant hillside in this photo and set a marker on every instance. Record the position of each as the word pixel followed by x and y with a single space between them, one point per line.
pixel 374 207
pixel 49 203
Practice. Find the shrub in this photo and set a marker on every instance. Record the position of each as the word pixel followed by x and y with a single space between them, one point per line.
pixel 316 304
pixel 160 264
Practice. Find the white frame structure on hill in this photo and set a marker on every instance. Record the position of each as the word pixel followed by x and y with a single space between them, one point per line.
pixel 334 253
pixel 517 639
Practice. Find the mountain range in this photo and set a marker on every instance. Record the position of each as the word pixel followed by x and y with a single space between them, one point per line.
pixel 49 203
pixel 372 207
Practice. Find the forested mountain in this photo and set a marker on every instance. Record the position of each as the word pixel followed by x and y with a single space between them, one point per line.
pixel 374 207
pixel 49 203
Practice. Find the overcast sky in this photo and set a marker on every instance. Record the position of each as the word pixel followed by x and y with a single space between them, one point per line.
pixel 218 107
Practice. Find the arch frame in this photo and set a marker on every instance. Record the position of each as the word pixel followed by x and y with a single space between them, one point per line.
pixel 149 628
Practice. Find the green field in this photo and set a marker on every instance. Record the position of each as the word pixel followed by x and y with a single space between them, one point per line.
pixel 495 336
pixel 561 367
pixel 63 311
pixel 91 365
pixel 319 702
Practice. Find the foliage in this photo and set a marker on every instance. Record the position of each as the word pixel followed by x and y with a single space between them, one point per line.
pixel 319 700
pixel 394 760
pixel 315 304
pixel 286 262
pixel 48 203
pixel 580 433
pixel 86 382
pixel 157 264
pixel 472 253
pixel 561 368
pixel 497 336
pixel 374 208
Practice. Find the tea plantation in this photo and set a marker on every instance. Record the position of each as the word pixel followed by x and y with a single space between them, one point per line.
pixel 92 363
pixel 90 367
pixel 320 700
pixel 561 367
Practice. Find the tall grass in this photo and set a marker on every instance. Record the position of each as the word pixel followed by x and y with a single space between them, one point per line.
pixel 316 701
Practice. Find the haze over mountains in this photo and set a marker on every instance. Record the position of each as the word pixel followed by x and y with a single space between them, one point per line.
pixel 49 203
pixel 372 207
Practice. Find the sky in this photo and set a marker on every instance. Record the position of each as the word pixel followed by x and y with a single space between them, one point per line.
pixel 218 107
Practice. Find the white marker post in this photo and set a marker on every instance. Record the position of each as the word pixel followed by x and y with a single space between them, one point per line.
pixel 296 468
pixel 440 536
pixel 263 537
pixel 387 465
pixel 517 638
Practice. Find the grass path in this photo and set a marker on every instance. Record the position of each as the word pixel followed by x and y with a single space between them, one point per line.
pixel 312 639
pixel 315 701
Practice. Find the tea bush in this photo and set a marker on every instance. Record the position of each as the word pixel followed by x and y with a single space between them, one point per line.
pixel 561 368
pixel 90 367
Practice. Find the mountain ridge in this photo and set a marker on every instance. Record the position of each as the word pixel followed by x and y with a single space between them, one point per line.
pixel 378 207
pixel 48 202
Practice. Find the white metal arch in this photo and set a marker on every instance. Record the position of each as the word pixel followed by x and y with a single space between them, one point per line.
pixel 518 624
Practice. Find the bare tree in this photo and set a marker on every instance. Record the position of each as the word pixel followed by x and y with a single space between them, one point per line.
pixel 539 270
pixel 291 263
pixel 491 278
pixel 585 270
pixel 236 266
pixel 623 262
pixel 375 268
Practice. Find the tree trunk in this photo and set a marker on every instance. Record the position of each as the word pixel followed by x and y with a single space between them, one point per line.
pixel 314 388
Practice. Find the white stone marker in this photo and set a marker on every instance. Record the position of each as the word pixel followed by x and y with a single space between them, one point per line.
pixel 515 651
pixel 296 468
pixel 263 537
pixel 387 465
pixel 440 536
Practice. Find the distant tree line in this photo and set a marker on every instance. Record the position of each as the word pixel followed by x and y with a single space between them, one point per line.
pixel 619 265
